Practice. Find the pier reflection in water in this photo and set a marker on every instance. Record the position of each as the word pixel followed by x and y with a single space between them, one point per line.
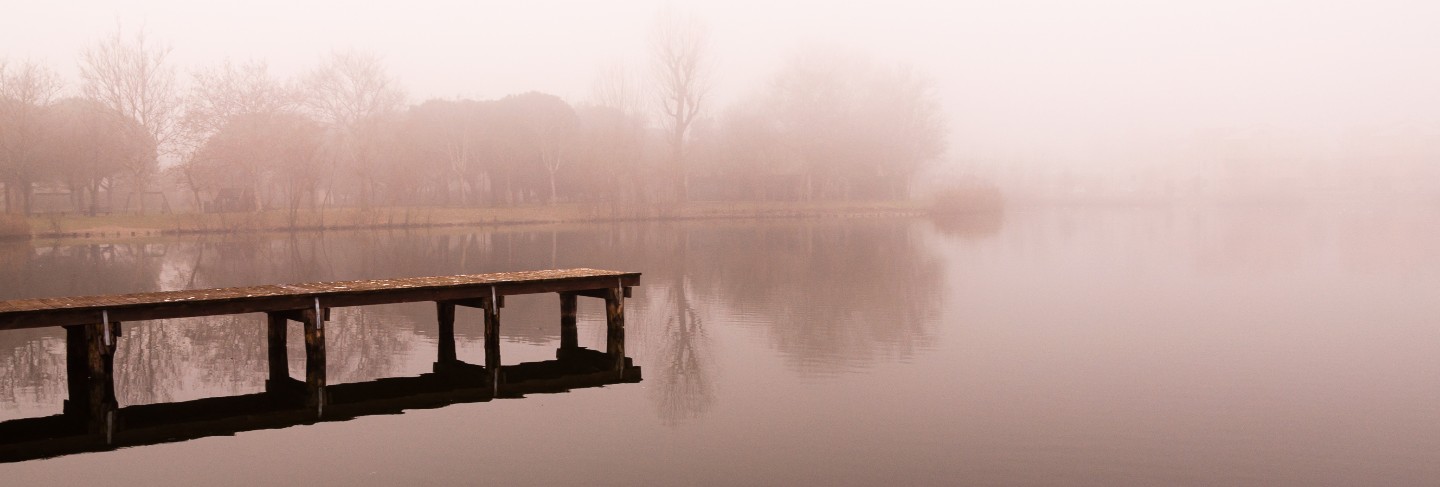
pixel 281 406
pixel 809 286
pixel 1146 346
pixel 92 326
pixel 823 299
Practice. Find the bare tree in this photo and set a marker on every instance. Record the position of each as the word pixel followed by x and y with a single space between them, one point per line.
pixel 448 141
pixel 906 109
pixel 88 144
pixel 228 90
pixel 681 49
pixel 354 95
pixel 222 96
pixel 25 91
pixel 615 87
pixel 547 128
pixel 130 75
pixel 278 148
pixel 847 125
pixel 613 133
pixel 609 154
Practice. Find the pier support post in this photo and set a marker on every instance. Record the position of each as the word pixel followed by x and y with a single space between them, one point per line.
pixel 615 326
pixel 314 360
pixel 491 306
pixel 569 337
pixel 99 359
pixel 276 347
pixel 445 314
pixel 77 371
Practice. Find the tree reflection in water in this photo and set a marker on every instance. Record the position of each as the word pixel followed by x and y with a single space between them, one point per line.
pixel 829 296
pixel 684 388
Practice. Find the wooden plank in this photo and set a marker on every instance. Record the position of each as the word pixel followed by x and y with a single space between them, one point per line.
pixel 599 293
pixel 122 300
pixel 470 303
pixel 91 340
pixel 44 312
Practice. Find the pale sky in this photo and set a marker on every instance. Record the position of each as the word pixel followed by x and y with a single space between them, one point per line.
pixel 1018 78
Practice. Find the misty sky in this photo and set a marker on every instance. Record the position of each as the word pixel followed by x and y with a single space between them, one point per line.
pixel 1020 79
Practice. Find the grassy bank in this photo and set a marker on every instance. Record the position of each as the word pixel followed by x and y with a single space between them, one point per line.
pixel 112 226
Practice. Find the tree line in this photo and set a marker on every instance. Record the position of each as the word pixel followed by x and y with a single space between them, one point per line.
pixel 830 124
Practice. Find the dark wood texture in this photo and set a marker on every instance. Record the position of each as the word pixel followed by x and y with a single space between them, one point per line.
pixel 146 424
pixel 100 383
pixel 615 327
pixel 569 336
pixel 315 360
pixel 91 341
pixel 445 315
pixel 276 346
pixel 44 312
pixel 492 342
pixel 77 370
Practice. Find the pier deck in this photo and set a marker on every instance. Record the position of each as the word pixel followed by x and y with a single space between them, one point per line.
pixel 45 312
pixel 92 325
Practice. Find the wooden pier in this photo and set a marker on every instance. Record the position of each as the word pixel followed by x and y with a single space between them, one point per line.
pixel 93 325
pixel 148 424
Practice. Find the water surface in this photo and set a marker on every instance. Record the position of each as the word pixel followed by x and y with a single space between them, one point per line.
pixel 1280 346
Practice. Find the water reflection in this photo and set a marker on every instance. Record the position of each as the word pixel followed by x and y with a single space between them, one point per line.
pixel 969 226
pixel 685 390
pixel 31 369
pixel 69 270
pixel 830 296
pixel 31 438
pixel 1116 346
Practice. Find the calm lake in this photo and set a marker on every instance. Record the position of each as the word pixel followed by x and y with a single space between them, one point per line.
pixel 1160 346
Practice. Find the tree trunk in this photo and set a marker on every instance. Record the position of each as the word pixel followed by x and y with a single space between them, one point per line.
pixel 140 185
pixel 678 165
pixel 27 189
pixel 552 187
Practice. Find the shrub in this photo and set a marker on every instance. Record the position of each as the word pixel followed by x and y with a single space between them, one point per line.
pixel 968 196
pixel 969 208
pixel 13 226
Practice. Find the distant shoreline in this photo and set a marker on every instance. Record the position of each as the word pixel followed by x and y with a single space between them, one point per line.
pixel 126 226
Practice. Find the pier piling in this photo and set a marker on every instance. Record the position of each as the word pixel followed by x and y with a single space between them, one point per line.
pixel 93 324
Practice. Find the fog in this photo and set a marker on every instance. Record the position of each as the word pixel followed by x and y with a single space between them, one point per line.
pixel 883 242
pixel 1044 98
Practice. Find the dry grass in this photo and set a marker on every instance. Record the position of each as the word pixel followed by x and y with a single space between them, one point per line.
pixel 408 217
pixel 14 226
